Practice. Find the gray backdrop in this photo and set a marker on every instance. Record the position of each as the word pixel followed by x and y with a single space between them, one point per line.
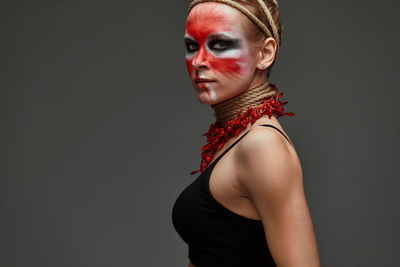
pixel 100 128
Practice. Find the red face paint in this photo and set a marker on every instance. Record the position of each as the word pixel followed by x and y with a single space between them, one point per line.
pixel 218 57
pixel 200 25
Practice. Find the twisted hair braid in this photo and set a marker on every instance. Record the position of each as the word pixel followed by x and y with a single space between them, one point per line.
pixel 242 8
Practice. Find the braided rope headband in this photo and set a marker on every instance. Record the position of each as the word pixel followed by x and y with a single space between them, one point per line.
pixel 246 12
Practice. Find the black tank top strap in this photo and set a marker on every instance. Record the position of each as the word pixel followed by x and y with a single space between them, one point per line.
pixel 234 143
pixel 229 148
pixel 272 126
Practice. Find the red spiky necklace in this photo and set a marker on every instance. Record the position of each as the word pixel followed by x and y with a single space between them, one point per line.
pixel 218 135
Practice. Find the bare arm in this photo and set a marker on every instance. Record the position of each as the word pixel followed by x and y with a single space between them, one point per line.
pixel 271 174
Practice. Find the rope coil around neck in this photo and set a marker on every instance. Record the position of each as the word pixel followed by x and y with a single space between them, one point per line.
pixel 250 15
pixel 228 109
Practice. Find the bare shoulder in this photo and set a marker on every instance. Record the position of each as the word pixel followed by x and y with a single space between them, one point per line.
pixel 265 158
pixel 270 175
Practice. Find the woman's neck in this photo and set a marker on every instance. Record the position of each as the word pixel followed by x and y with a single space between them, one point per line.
pixel 228 109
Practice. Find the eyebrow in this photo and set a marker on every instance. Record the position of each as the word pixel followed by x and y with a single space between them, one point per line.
pixel 188 38
pixel 215 35
pixel 220 35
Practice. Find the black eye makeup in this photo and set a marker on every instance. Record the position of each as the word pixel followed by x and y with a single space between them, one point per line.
pixel 220 45
pixel 191 45
pixel 217 43
pixel 221 42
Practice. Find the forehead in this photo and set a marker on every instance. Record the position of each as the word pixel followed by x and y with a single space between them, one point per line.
pixel 210 17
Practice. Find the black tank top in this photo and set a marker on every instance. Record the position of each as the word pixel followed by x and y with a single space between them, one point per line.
pixel 217 236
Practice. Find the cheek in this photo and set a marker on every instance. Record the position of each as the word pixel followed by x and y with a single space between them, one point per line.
pixel 227 65
pixel 237 66
pixel 232 66
pixel 190 66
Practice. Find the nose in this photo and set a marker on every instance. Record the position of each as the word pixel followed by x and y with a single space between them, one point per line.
pixel 201 60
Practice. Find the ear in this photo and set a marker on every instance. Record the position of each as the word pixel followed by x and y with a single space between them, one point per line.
pixel 267 53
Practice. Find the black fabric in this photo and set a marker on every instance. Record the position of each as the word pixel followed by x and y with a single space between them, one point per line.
pixel 217 236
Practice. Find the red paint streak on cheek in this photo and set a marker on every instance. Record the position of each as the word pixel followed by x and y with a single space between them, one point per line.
pixel 190 68
pixel 227 66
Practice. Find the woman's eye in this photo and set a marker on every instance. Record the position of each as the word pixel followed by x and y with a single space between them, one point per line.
pixel 191 47
pixel 219 45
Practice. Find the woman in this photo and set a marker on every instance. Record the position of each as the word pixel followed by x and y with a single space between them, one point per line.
pixel 247 207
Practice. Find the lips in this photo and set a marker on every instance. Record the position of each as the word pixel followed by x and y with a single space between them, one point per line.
pixel 203 80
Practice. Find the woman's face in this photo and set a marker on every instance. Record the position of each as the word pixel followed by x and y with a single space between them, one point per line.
pixel 220 61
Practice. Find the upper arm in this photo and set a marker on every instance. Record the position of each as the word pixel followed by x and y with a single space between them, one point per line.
pixel 271 174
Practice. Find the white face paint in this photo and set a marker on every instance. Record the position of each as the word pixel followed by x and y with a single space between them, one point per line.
pixel 209 86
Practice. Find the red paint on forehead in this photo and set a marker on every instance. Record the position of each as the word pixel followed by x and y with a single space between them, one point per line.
pixel 206 19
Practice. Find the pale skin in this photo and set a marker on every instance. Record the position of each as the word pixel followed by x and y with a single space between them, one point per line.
pixel 261 176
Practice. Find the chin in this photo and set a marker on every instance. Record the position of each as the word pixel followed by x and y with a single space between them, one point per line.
pixel 205 99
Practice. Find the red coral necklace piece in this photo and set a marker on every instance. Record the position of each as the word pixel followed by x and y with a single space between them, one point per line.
pixel 218 135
